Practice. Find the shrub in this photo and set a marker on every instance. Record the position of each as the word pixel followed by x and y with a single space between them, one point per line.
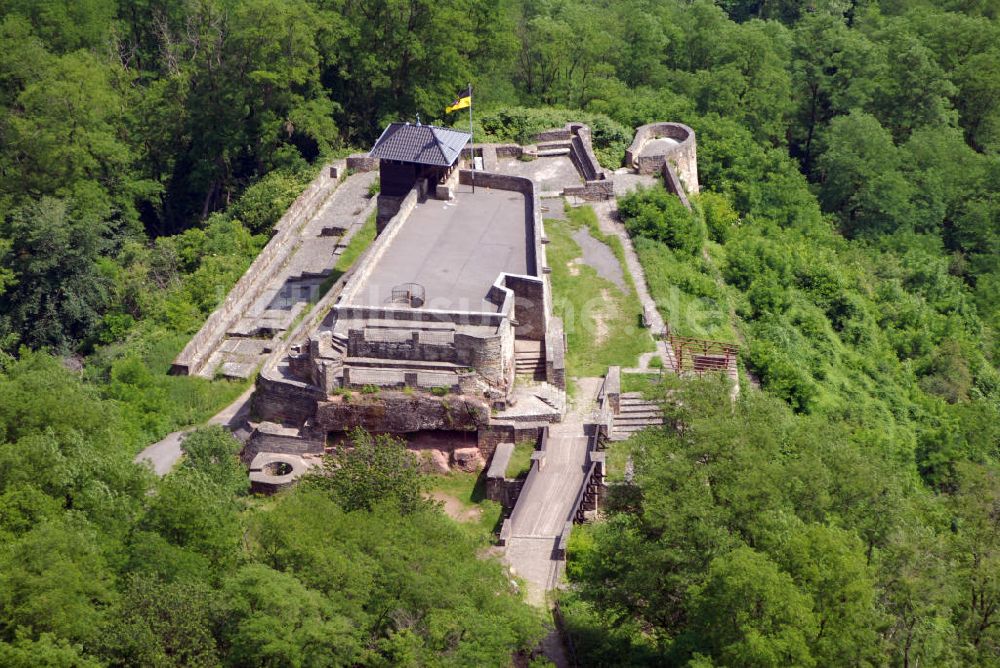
pixel 720 217
pixel 656 214
pixel 262 204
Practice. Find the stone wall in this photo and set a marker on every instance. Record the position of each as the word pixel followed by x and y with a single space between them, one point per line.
pixel 555 354
pixel 484 354
pixel 529 306
pixel 598 182
pixel 673 183
pixel 362 162
pixel 582 153
pixel 192 358
pixel 612 390
pixel 683 155
pixel 399 412
pixel 272 437
pixel 283 400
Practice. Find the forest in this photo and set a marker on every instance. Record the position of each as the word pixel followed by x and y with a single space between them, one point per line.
pixel 844 511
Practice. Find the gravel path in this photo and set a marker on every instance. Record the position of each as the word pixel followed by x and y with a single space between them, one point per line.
pixel 164 455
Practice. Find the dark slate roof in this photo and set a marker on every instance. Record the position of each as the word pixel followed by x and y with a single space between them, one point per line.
pixel 423 144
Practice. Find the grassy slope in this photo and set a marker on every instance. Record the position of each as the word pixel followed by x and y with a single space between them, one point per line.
pixel 582 299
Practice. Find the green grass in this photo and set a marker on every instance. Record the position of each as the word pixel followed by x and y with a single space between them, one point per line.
pixel 520 460
pixel 359 244
pixel 688 291
pixel 470 490
pixel 648 384
pixel 602 322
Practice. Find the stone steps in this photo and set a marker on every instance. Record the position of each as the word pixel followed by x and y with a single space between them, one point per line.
pixel 634 415
pixel 529 358
pixel 529 365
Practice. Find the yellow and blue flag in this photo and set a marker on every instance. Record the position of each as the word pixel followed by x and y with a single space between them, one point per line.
pixel 463 101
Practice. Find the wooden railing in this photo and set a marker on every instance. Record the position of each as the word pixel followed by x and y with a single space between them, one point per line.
pixel 702 355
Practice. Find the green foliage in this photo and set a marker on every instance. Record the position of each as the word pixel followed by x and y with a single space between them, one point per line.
pixel 658 215
pixel 214 451
pixel 520 459
pixel 262 204
pixel 374 470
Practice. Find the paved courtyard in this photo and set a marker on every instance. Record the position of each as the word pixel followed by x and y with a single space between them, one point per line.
pixel 455 250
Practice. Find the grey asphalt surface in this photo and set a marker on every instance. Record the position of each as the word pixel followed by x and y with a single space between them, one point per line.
pixel 599 255
pixel 455 250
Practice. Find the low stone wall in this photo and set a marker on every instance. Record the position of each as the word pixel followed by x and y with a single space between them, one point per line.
pixel 420 315
pixel 271 437
pixel 557 134
pixel 484 354
pixel 684 155
pixel 598 182
pixel 192 358
pixel 582 152
pixel 529 306
pixel 592 191
pixel 283 400
pixel 673 183
pixel 613 388
pixel 362 162
pixel 555 354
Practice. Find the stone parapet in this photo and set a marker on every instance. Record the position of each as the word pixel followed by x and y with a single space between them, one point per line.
pixel 273 437
pixel 362 162
pixel 199 349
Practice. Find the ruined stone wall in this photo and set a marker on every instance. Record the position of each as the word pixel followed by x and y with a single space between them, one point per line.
pixel 529 306
pixel 362 343
pixel 555 354
pixel 673 183
pixel 557 134
pixel 362 162
pixel 269 437
pixel 192 358
pixel 598 182
pixel 582 152
pixel 398 412
pixel 484 354
pixel 683 156
pixel 283 400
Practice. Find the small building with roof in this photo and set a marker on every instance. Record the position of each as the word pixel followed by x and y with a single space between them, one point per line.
pixel 409 153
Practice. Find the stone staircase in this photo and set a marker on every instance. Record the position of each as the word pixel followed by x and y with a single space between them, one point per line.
pixel 529 359
pixel 635 414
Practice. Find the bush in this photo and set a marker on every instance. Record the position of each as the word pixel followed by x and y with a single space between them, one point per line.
pixel 262 204
pixel 720 217
pixel 656 214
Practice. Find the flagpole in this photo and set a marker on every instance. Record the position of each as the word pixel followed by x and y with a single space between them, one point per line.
pixel 473 145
